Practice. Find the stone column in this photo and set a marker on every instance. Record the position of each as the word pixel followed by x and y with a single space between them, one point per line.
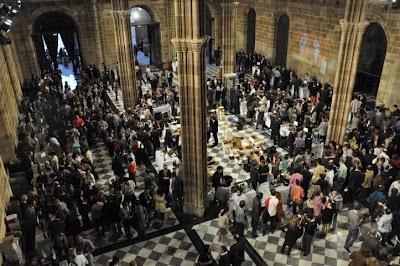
pixel 97 21
pixel 228 36
pixel 126 63
pixel 13 72
pixel 353 26
pixel 189 46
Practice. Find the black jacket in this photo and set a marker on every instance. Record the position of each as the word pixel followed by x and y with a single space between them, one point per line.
pixel 225 260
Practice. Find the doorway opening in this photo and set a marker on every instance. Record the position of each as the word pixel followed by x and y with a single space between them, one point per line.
pixel 282 39
pixel 371 60
pixel 146 38
pixel 251 31
pixel 55 37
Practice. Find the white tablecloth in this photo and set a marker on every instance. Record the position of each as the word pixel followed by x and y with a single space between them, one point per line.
pixel 166 108
pixel 284 190
pixel 162 158
pixel 243 108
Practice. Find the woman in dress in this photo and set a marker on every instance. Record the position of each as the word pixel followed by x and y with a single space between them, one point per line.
pixel 223 224
pixel 160 205
pixel 326 215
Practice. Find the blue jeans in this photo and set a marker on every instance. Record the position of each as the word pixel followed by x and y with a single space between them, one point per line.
pixel 352 236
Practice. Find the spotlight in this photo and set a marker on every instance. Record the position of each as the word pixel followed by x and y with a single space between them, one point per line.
pixel 5 24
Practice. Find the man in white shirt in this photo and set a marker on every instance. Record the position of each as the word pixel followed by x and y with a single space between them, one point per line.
pixel 271 205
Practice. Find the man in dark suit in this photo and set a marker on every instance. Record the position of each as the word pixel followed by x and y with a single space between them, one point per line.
pixel 237 251
pixel 218 177
pixel 177 191
pixel 275 126
pixel 164 178
pixel 225 257
pixel 214 129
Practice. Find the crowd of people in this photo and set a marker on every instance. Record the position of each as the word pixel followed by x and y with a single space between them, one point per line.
pixel 359 179
pixel 361 175
pixel 60 129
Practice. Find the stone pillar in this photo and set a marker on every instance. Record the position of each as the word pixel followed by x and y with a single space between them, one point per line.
pixel 13 72
pixel 5 196
pixel 126 63
pixel 353 26
pixel 228 36
pixel 189 46
pixel 97 21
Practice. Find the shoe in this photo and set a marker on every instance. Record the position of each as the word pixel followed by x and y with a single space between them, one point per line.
pixel 348 250
pixel 305 254
pixel 254 235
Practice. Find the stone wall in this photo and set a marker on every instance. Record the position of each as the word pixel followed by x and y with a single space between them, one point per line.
pixel 4 199
pixel 314 33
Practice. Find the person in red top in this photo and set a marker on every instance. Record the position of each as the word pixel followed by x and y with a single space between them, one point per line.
pixel 132 167
pixel 78 122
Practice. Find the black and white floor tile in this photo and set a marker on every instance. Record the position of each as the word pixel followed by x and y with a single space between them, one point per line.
pixel 170 249
pixel 208 232
pixel 328 251
pixel 220 154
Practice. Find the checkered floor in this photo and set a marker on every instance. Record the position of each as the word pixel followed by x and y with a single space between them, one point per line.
pixel 171 249
pixel 208 232
pixel 328 251
pixel 221 156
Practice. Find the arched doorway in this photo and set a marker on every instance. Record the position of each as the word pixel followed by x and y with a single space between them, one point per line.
pixel 55 36
pixel 251 31
pixel 146 38
pixel 282 38
pixel 371 60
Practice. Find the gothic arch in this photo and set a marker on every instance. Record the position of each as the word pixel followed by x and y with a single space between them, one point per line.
pixel 373 51
pixel 251 19
pixel 282 29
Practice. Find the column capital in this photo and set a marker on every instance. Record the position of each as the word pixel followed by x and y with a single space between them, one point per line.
pixel 191 45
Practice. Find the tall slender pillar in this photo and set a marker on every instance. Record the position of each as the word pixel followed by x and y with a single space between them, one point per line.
pixel 353 26
pixel 126 63
pixel 5 196
pixel 189 45
pixel 12 71
pixel 97 21
pixel 228 36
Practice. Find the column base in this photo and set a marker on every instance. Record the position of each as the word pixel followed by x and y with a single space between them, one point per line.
pixel 194 209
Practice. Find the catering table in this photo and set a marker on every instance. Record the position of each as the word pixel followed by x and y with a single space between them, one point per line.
pixel 165 159
pixel 166 108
